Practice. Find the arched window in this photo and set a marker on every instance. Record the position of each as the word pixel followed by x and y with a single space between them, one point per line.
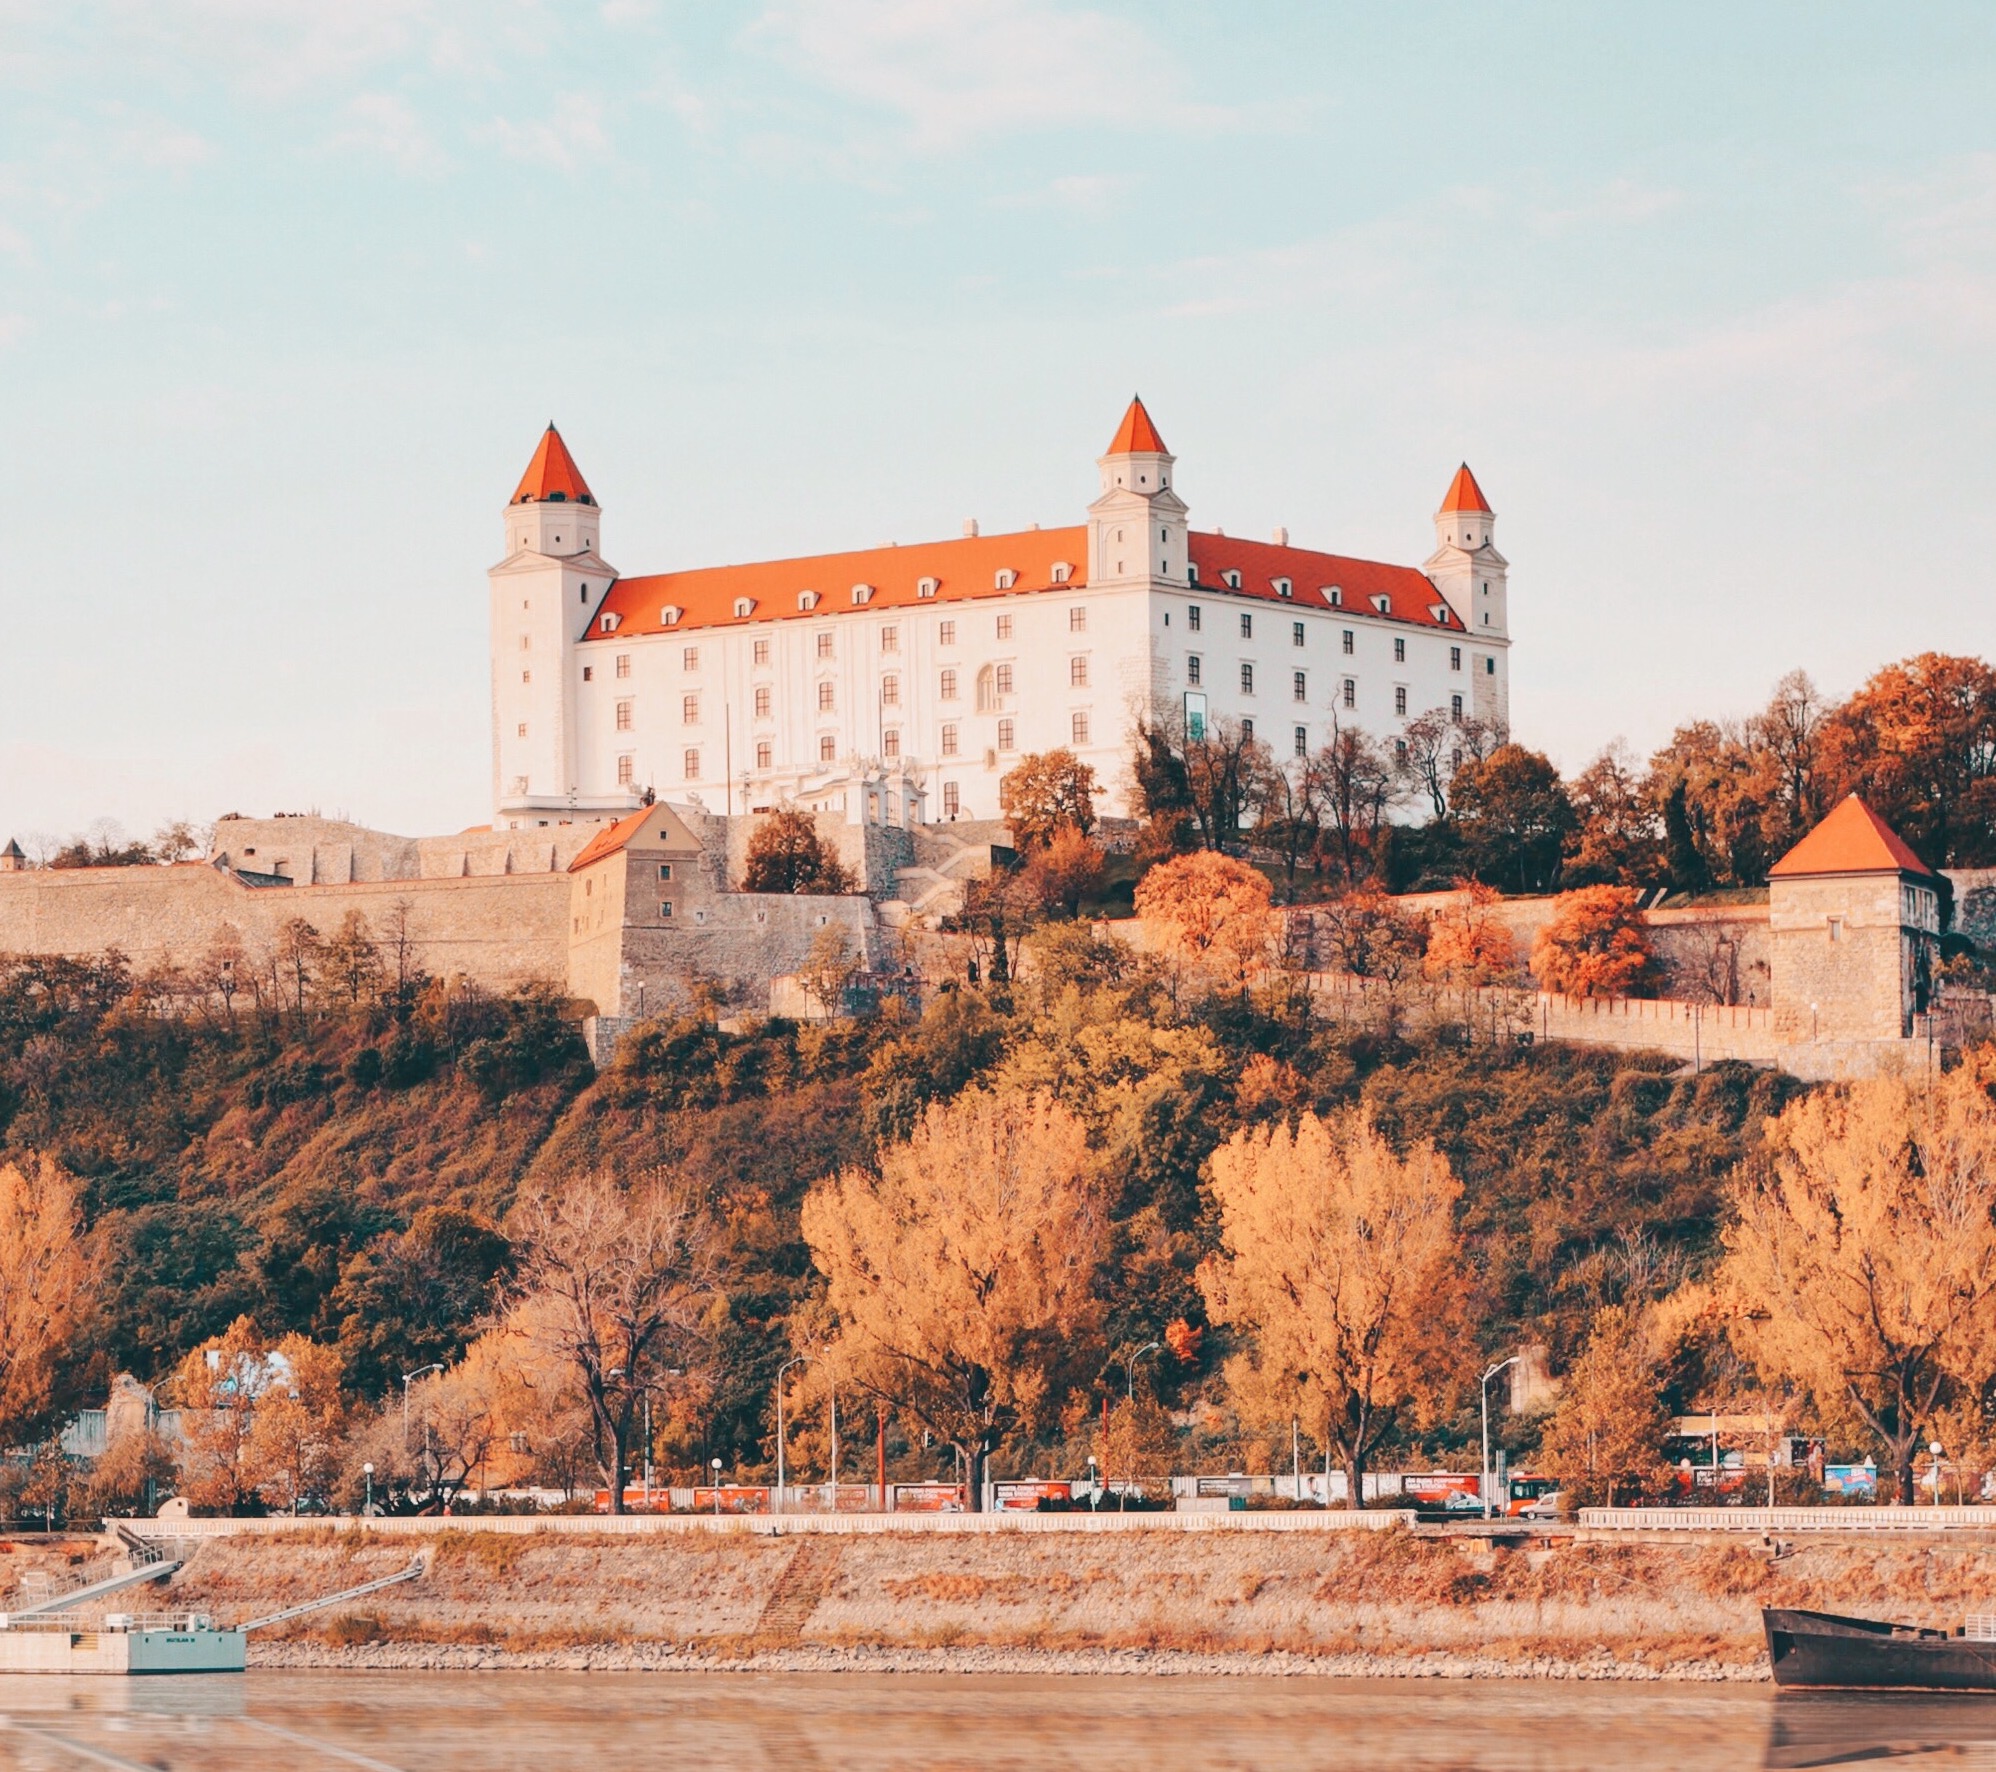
pixel 987 690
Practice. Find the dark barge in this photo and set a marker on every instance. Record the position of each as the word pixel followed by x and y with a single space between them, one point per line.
pixel 1823 1650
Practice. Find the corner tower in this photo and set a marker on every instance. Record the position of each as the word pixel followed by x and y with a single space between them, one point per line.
pixel 544 594
pixel 1136 526
pixel 1472 578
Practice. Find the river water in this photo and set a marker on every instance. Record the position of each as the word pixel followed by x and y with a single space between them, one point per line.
pixel 534 1722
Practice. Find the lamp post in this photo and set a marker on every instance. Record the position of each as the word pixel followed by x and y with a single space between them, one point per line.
pixel 800 1360
pixel 1094 1484
pixel 1935 1448
pixel 714 1465
pixel 1487 1377
pixel 832 1392
pixel 407 1377
pixel 367 1471
pixel 1130 1371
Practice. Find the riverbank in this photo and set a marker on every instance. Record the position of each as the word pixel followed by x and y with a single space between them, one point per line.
pixel 1325 1604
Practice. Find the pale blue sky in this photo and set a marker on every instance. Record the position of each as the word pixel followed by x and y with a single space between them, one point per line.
pixel 1706 294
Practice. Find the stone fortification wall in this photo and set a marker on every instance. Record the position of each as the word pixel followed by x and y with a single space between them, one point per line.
pixel 873 853
pixel 503 930
pixel 313 851
pixel 738 941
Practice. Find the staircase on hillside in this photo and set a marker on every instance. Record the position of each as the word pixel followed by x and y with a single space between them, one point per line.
pixel 799 1589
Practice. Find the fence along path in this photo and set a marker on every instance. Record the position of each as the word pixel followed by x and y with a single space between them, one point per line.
pixel 1788 1519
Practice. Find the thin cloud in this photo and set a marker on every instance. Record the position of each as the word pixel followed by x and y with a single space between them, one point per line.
pixel 385 126
pixel 567 138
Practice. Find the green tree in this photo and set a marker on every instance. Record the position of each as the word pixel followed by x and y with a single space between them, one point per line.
pixel 786 854
pixel 1514 816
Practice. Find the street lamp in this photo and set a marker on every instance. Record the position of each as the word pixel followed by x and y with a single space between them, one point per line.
pixel 367 1470
pixel 1130 1370
pixel 1094 1484
pixel 1487 1377
pixel 433 1366
pixel 1935 1449
pixel 715 1466
pixel 800 1360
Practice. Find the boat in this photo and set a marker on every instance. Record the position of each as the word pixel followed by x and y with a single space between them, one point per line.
pixel 1826 1651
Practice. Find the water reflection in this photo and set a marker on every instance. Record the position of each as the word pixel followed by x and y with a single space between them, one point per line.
pixel 530 1722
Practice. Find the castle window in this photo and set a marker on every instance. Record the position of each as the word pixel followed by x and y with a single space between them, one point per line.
pixel 1296 633
pixel 1077 728
pixel 1350 694
pixel 1348 643
pixel 1382 603
pixel 1193 616
pixel 1004 578
pixel 987 690
pixel 828 748
pixel 1399 651
pixel 1299 684
pixel 1455 658
pixel 689 658
pixel 588 673
pixel 1836 929
pixel 952 801
pixel 1247 732
pixel 826 697
pixel 1062 572
pixel 890 742
pixel 527 643
pixel 623 664
pixel 744 608
pixel 762 652
pixel 608 624
pixel 689 765
pixel 949 740
pixel 624 716
pixel 807 600
pixel 1004 679
pixel 1247 624
pixel 862 593
pixel 1077 673
pixel 890 639
pixel 1302 741
pixel 1490 667
pixel 1004 627
pixel 526 676
pixel 927 587
pixel 1005 735
pixel 1334 595
pixel 1077 619
pixel 1231 579
pixel 1247 678
pixel 669 615
pixel 890 692
pixel 825 645
pixel 762 701
pixel 945 633
pixel 665 907
pixel 626 770
pixel 689 710
pixel 665 870
pixel 1455 709
pixel 764 752
pixel 947 686
pixel 520 731
pixel 1194 669
pixel 1283 588
pixel 1400 699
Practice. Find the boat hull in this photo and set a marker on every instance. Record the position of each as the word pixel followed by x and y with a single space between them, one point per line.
pixel 1824 1651
pixel 163 1651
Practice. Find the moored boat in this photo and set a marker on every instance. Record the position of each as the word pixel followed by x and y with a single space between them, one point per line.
pixel 1827 1651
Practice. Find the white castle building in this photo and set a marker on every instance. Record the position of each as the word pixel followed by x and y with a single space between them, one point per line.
pixel 900 684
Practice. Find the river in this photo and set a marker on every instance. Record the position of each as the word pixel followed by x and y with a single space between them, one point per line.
pixel 533 1722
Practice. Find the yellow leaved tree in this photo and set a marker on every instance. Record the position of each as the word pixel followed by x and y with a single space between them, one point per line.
pixel 962 1272
pixel 1340 1266
pixel 1211 911
pixel 1861 1260
pixel 46 1289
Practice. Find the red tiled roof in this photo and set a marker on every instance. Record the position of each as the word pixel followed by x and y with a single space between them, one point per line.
pixel 968 568
pixel 1464 494
pixel 1851 840
pixel 1136 435
pixel 610 838
pixel 552 474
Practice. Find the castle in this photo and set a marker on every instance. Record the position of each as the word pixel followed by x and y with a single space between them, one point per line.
pixel 900 684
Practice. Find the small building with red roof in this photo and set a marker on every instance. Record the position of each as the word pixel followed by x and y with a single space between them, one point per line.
pixel 900 684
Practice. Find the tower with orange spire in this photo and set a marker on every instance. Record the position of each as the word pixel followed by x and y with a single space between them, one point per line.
pixel 546 594
pixel 1471 576
pixel 1136 527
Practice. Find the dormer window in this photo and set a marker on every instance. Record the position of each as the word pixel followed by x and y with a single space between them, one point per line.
pixel 1005 578
pixel 607 623
pixel 670 615
pixel 862 594
pixel 744 608
pixel 927 587
pixel 1283 588
pixel 1062 572
pixel 1335 596
pixel 807 599
pixel 1382 602
pixel 1231 579
pixel 1440 612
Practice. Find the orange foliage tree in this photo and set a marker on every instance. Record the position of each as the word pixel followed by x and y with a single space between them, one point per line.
pixel 1468 943
pixel 1596 945
pixel 46 1286
pixel 1045 793
pixel 1211 910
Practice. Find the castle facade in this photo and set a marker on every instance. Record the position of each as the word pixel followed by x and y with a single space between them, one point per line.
pixel 898 685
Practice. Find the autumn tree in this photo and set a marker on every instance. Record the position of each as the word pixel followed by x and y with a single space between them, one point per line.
pixel 47 1284
pixel 1211 911
pixel 1615 843
pixel 829 970
pixel 1372 937
pixel 786 854
pixel 1356 784
pixel 295 958
pixel 1438 744
pixel 349 962
pixel 412 1297
pixel 1291 822
pixel 1469 944
pixel 1045 793
pixel 1607 1431
pixel 617 1284
pixel 1861 1258
pixel 1514 817
pixel 1339 1266
pixel 1595 944
pixel 1065 871
pixel 963 1273
pixel 220 1388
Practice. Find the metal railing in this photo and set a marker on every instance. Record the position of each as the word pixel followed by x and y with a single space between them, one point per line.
pixel 1788 1519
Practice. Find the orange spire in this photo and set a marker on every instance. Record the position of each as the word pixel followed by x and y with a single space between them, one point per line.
pixel 552 474
pixel 1464 494
pixel 1136 435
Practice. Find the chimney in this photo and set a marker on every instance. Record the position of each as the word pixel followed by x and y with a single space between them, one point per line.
pixel 1281 536
pixel 969 527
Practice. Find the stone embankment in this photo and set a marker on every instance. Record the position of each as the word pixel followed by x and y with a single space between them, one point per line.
pixel 1320 1603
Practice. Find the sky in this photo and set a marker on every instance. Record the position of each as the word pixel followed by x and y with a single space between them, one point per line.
pixel 1705 294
